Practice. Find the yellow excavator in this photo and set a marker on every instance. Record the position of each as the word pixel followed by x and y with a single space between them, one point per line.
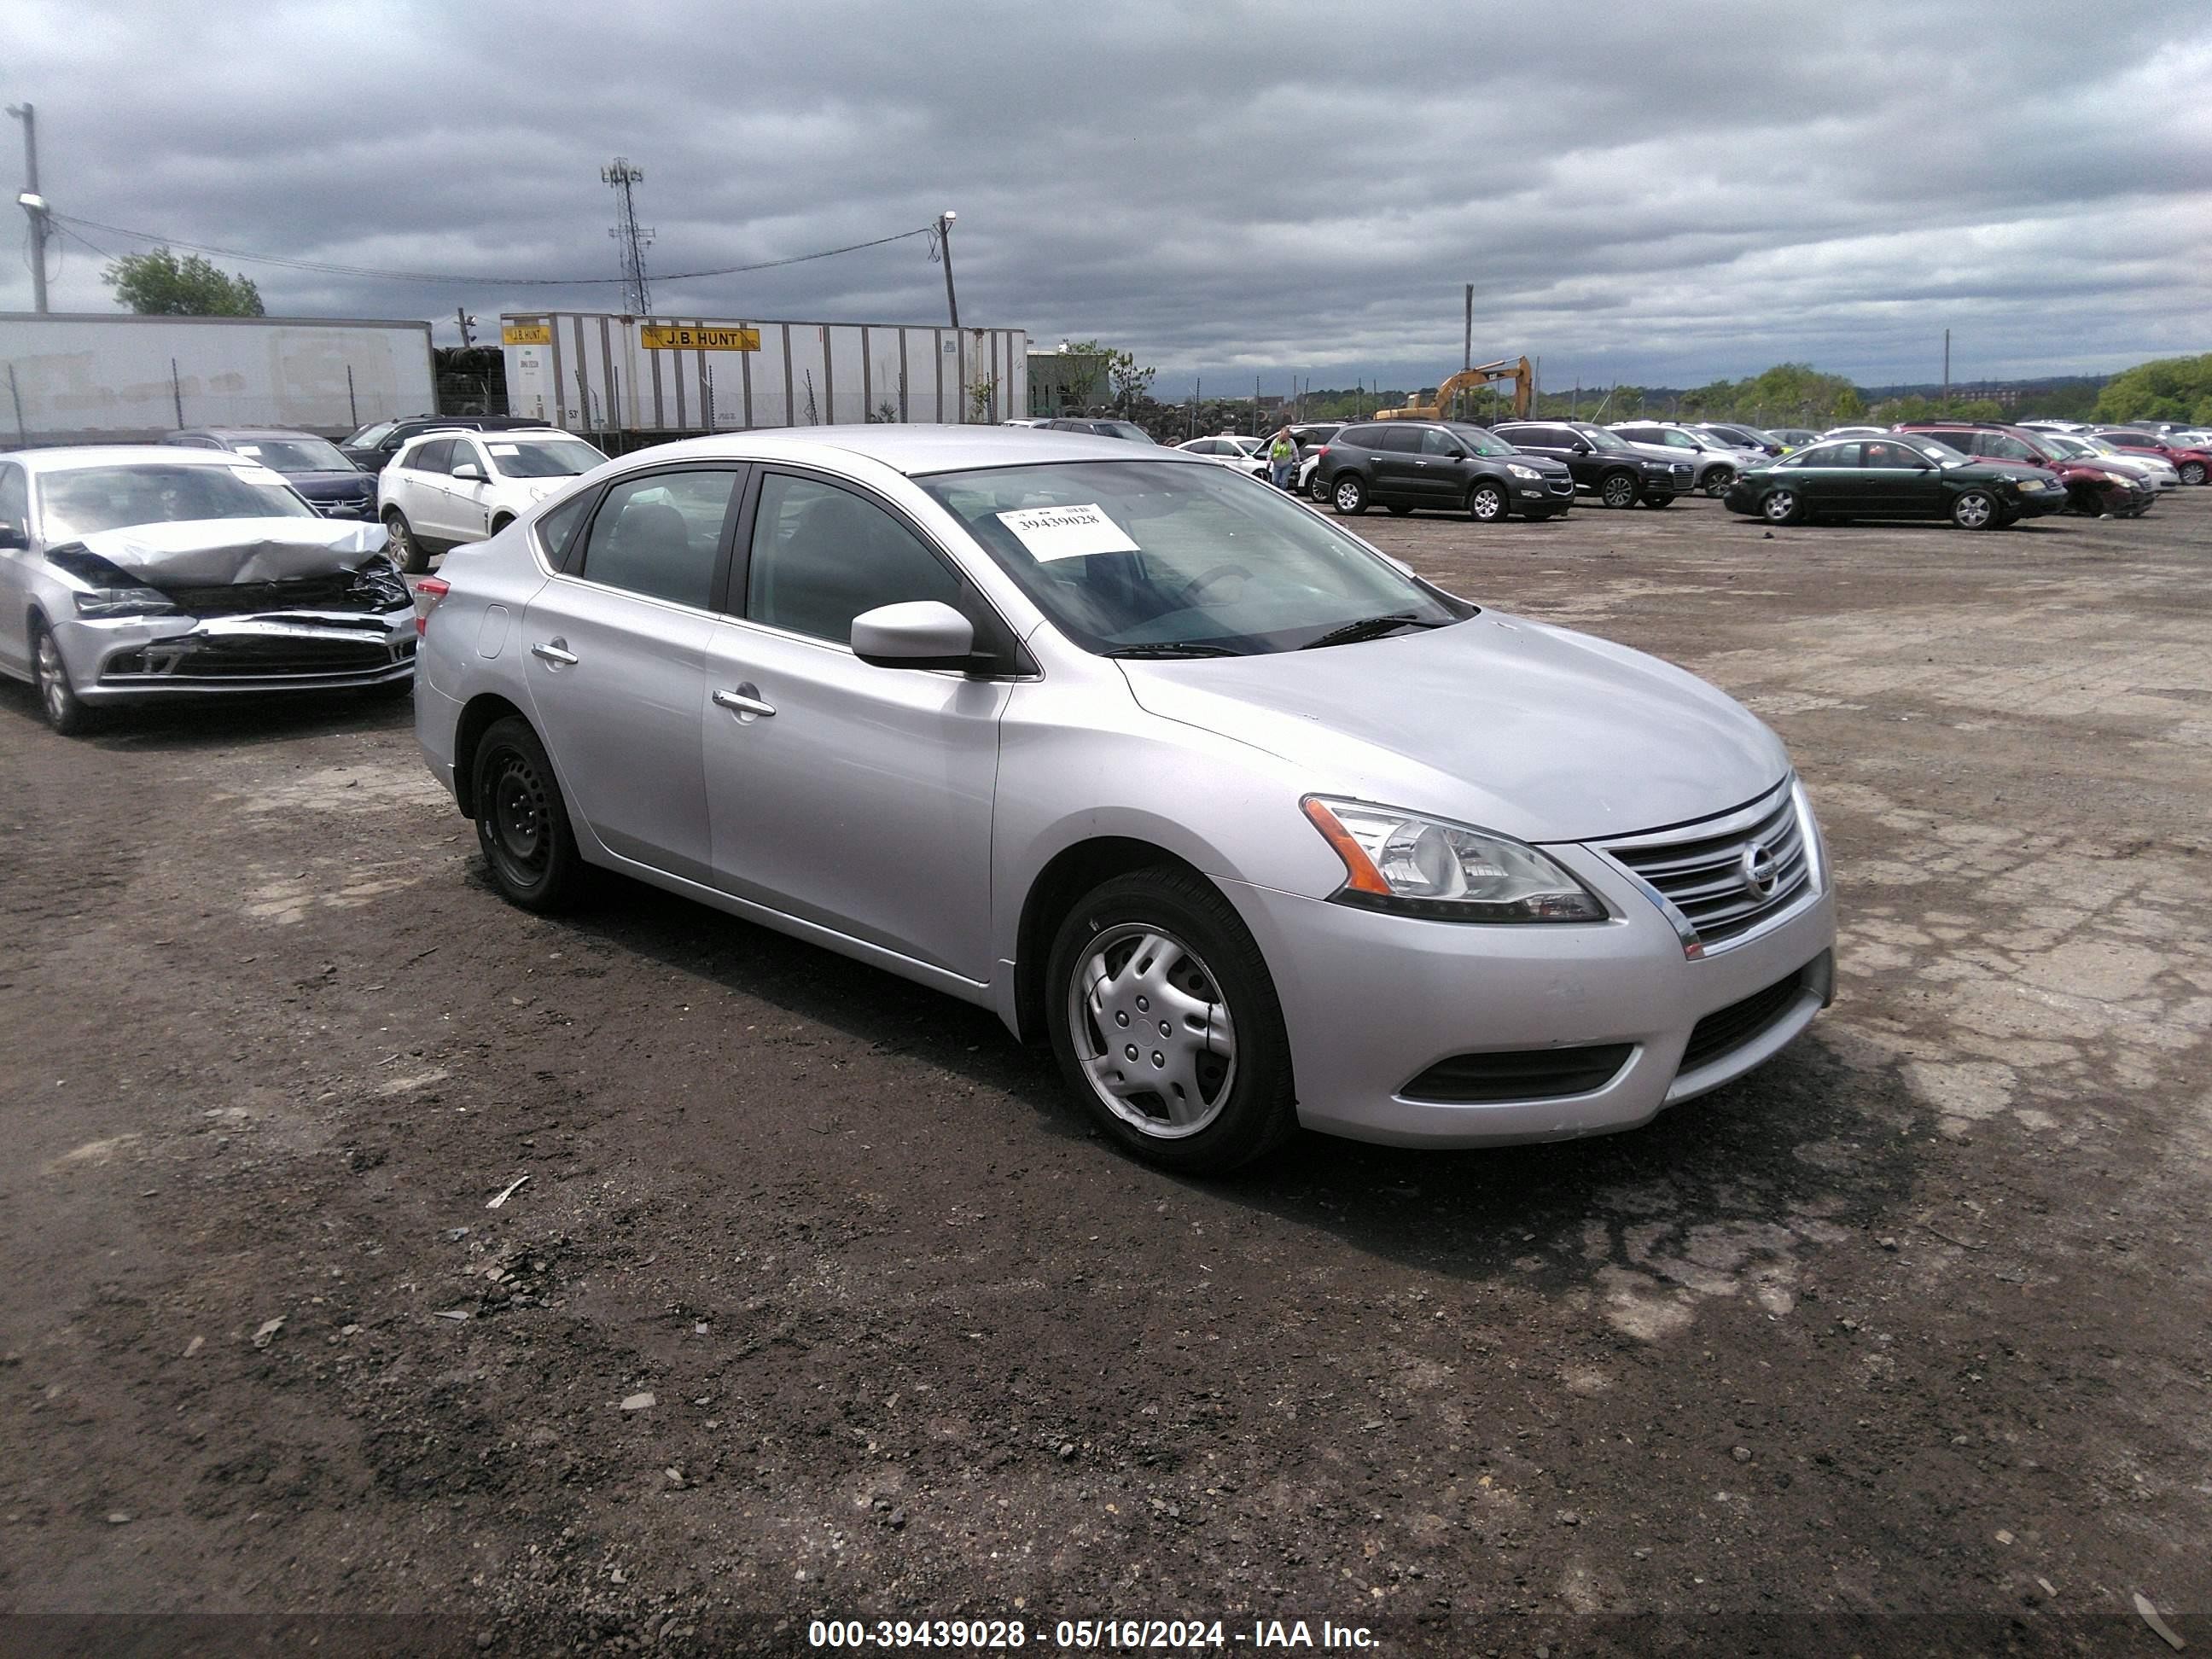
pixel 1516 369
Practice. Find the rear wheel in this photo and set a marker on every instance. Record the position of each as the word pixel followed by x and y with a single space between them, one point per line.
pixel 58 699
pixel 522 823
pixel 401 546
pixel 1617 490
pixel 1782 507
pixel 1348 495
pixel 1486 503
pixel 1974 509
pixel 1166 1024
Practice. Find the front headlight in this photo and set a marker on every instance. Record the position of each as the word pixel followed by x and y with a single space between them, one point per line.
pixel 109 590
pixel 1521 471
pixel 1412 865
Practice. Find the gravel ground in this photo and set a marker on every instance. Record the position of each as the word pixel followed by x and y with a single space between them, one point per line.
pixel 820 1300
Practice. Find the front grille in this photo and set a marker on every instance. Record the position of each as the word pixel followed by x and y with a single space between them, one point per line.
pixel 1726 1030
pixel 1701 870
pixel 1519 1075
pixel 338 590
pixel 1681 469
pixel 1560 486
pixel 249 658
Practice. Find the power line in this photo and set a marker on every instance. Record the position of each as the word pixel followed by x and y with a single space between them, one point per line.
pixel 371 271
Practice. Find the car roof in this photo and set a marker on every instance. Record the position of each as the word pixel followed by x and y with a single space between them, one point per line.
pixel 73 457
pixel 244 432
pixel 917 450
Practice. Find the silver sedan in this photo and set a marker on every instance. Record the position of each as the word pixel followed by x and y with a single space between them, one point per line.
pixel 135 573
pixel 1254 827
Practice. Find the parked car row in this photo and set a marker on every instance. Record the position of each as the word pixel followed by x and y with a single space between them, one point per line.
pixel 1899 474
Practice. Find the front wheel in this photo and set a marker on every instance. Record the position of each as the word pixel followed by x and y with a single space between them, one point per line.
pixel 522 823
pixel 1618 489
pixel 1486 503
pixel 1396 509
pixel 1718 480
pixel 1166 1024
pixel 1348 495
pixel 1974 509
pixel 2192 472
pixel 1782 507
pixel 58 702
pixel 400 545
pixel 1658 501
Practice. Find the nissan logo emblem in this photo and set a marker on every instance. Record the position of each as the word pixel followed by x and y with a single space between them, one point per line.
pixel 1761 874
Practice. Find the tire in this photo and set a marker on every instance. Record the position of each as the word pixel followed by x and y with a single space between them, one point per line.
pixel 1781 506
pixel 1717 482
pixel 1348 495
pixel 1618 489
pixel 400 545
pixel 2192 472
pixel 522 823
pixel 1975 509
pixel 1396 509
pixel 1315 489
pixel 1099 993
pixel 58 702
pixel 1487 503
pixel 1658 501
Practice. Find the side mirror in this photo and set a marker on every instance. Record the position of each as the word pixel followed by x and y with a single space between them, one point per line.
pixel 920 634
pixel 1580 446
pixel 471 472
pixel 12 536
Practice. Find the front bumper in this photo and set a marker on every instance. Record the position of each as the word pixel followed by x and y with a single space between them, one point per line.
pixel 1374 1001
pixel 135 659
pixel 2028 503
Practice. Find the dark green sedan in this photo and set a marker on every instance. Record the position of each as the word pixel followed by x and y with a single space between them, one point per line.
pixel 1900 475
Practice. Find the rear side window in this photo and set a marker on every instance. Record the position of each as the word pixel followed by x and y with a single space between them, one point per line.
pixel 434 456
pixel 1355 437
pixel 660 535
pixel 556 528
pixel 821 556
pixel 1398 440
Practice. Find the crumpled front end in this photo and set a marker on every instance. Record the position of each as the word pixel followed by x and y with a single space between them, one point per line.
pixel 200 608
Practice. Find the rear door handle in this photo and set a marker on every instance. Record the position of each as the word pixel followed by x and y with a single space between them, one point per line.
pixel 556 651
pixel 745 700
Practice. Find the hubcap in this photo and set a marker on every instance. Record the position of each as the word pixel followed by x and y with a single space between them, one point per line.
pixel 1780 505
pixel 1347 495
pixel 518 810
pixel 1151 1032
pixel 1486 504
pixel 1973 511
pixel 53 680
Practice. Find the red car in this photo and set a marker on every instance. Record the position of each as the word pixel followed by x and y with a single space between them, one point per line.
pixel 2091 490
pixel 2192 461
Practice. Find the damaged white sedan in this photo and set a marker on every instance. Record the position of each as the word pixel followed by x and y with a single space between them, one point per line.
pixel 132 574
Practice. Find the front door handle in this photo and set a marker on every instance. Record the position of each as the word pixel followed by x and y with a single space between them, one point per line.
pixel 556 652
pixel 745 700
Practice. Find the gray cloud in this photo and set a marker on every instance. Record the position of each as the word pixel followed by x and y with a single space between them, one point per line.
pixel 1649 194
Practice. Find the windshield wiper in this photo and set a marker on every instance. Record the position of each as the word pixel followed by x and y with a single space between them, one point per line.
pixel 1370 627
pixel 1175 648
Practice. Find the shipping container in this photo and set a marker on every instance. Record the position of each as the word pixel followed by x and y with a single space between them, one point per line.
pixel 127 379
pixel 597 372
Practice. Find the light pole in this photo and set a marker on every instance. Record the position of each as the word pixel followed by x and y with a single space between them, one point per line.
pixel 34 203
pixel 944 248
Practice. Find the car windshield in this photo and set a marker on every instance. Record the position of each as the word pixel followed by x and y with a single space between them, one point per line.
pixel 85 500
pixel 371 435
pixel 549 458
pixel 292 454
pixel 1482 441
pixel 1158 558
pixel 1602 439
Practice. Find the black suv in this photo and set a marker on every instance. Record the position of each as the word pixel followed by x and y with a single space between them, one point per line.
pixel 1603 462
pixel 371 448
pixel 313 466
pixel 1403 464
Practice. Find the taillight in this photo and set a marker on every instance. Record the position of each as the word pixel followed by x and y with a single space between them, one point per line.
pixel 1322 451
pixel 428 591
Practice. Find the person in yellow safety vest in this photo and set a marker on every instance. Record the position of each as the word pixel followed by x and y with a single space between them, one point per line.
pixel 1282 458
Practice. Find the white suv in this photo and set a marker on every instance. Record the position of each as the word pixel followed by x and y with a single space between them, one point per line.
pixel 446 488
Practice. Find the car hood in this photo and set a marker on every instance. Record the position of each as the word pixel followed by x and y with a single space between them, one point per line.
pixel 1500 722
pixel 210 552
pixel 1543 463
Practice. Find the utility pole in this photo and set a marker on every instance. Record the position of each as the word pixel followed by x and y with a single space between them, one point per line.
pixel 1467 349
pixel 467 325
pixel 633 238
pixel 34 203
pixel 1946 371
pixel 945 250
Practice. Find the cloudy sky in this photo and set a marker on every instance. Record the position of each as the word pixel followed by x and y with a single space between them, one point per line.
pixel 1646 194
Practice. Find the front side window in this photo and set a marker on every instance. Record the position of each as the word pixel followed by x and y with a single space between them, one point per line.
pixel 1599 438
pixel 86 500
pixel 1140 559
pixel 660 535
pixel 1884 456
pixel 821 556
pixel 1436 441
pixel 1482 440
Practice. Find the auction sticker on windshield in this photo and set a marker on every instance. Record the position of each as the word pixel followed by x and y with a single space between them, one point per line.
pixel 507 449
pixel 257 474
pixel 1067 532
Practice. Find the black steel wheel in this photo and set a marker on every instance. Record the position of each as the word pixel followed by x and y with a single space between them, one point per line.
pixel 522 823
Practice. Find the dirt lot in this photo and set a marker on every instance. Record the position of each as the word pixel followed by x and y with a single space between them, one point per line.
pixel 1899 1345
